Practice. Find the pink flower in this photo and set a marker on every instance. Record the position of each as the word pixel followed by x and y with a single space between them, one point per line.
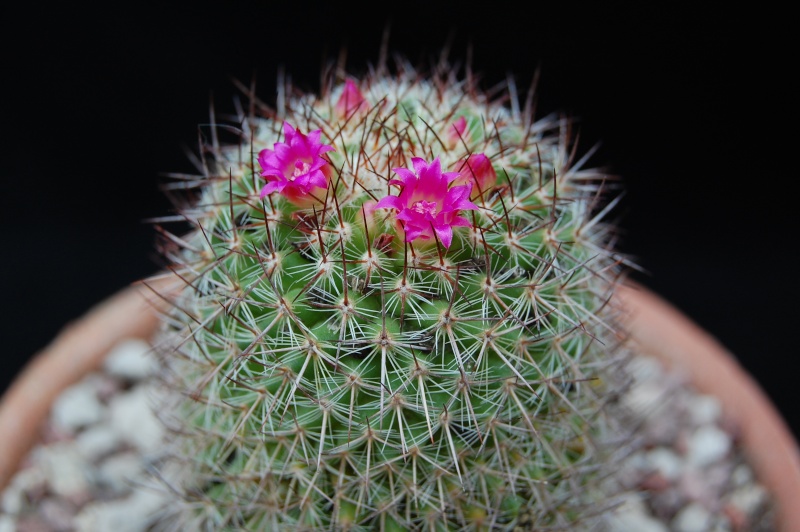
pixel 351 101
pixel 456 131
pixel 427 203
pixel 295 168
pixel 477 168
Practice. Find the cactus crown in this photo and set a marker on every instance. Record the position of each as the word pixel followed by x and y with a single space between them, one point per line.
pixel 393 315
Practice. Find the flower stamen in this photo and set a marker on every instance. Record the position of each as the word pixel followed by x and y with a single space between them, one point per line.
pixel 425 207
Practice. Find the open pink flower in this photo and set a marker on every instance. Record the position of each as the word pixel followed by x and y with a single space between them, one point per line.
pixel 295 168
pixel 350 101
pixel 476 168
pixel 427 203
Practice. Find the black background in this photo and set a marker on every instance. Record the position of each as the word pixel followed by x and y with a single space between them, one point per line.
pixel 690 106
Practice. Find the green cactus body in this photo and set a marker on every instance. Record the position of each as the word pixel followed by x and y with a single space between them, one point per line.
pixel 336 377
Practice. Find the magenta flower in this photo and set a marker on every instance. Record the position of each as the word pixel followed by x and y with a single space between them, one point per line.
pixel 350 101
pixel 476 168
pixel 295 168
pixel 427 203
pixel 456 131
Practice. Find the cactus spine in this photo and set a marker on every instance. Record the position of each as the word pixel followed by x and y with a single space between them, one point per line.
pixel 337 374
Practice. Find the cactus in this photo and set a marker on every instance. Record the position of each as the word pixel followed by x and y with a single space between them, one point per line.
pixel 394 315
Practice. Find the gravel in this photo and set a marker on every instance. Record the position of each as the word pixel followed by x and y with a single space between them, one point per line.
pixel 686 474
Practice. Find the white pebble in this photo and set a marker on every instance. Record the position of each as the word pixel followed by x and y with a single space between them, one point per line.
pixel 55 512
pixel 64 468
pixel 132 514
pixel 133 419
pixel 632 516
pixel 705 410
pixel 692 518
pixel 11 501
pixel 707 445
pixel 748 498
pixel 666 462
pixel 26 480
pixel 742 475
pixel 644 400
pixel 130 359
pixel 118 471
pixel 96 441
pixel 646 368
pixel 77 406
pixel 7 523
pixel 637 460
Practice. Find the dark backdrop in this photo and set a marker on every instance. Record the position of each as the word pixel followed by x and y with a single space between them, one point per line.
pixel 690 106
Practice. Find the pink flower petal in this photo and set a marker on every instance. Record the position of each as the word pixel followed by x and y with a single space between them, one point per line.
pixel 451 176
pixel 405 174
pixel 389 202
pixel 351 101
pixel 456 131
pixel 460 221
pixel 295 168
pixel 458 198
pixel 425 204
pixel 445 234
pixel 477 168
pixel 419 165
pixel 413 233
pixel 273 186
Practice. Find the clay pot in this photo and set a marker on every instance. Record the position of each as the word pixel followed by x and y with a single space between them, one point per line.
pixel 656 328
pixel 660 330
pixel 79 349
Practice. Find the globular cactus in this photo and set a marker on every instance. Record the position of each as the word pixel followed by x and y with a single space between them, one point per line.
pixel 394 316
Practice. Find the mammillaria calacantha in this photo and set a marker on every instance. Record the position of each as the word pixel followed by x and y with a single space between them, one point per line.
pixel 394 315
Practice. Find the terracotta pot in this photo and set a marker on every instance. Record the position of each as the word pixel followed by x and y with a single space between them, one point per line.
pixel 78 350
pixel 656 328
pixel 660 330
